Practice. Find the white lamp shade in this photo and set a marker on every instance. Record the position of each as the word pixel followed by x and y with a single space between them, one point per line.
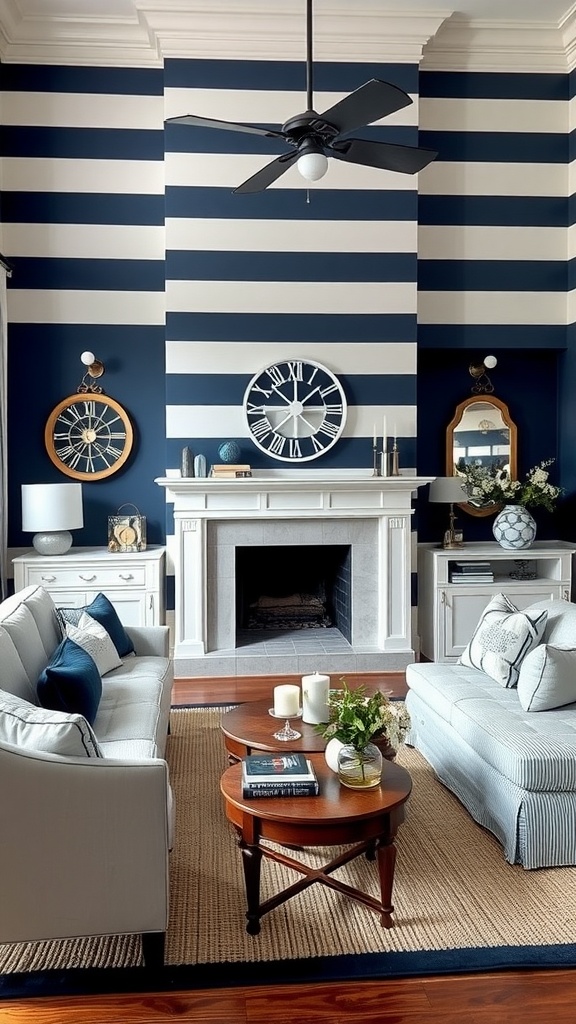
pixel 51 507
pixel 447 489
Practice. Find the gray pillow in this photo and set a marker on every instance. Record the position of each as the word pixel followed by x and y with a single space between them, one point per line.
pixel 503 638
pixel 547 678
pixel 54 732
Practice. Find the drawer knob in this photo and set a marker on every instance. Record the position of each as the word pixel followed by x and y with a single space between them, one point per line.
pixel 87 579
pixel 125 575
pixel 48 579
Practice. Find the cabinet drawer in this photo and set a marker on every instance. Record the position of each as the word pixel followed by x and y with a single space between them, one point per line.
pixel 130 576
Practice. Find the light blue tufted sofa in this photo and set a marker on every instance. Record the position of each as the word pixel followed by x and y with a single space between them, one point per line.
pixel 514 770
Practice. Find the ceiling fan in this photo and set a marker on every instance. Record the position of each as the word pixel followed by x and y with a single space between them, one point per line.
pixel 314 137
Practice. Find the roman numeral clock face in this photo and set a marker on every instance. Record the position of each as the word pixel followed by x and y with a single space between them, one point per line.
pixel 295 410
pixel 88 436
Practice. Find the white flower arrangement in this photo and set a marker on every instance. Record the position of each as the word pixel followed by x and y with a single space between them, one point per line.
pixel 485 485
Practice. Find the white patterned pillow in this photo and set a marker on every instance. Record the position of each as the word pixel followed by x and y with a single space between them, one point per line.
pixel 54 732
pixel 96 641
pixel 503 638
pixel 547 678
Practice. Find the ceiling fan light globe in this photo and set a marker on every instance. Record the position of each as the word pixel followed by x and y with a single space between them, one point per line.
pixel 312 166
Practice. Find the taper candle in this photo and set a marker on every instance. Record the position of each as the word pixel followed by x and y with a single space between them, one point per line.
pixel 384 434
pixel 315 698
pixel 286 700
pixel 374 439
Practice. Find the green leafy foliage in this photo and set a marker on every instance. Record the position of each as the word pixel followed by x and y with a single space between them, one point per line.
pixel 357 718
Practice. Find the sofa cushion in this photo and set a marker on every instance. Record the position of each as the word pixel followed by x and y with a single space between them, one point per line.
pixel 71 682
pixel 23 631
pixel 105 613
pixel 561 622
pixel 547 678
pixel 13 676
pixel 94 639
pixel 503 638
pixel 43 611
pixel 26 725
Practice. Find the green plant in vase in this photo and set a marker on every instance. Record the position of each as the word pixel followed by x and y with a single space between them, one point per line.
pixel 355 721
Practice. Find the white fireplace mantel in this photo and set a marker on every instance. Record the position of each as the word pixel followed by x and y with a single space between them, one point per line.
pixel 265 507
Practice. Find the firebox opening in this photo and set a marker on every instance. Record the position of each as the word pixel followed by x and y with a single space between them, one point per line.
pixel 288 588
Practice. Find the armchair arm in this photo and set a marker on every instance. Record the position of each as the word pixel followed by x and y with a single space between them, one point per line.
pixel 150 640
pixel 84 846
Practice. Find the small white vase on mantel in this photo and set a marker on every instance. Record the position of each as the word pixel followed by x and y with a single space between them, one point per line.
pixel 514 528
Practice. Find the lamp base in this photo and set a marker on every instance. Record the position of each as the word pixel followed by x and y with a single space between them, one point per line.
pixel 52 542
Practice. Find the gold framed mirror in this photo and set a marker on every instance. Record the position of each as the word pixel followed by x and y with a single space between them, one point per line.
pixel 482 432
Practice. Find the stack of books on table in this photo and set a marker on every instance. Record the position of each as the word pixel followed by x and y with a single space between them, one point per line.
pixel 230 471
pixel 289 774
pixel 471 572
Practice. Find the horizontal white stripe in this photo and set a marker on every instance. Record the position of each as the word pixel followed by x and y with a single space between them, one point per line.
pixel 40 174
pixel 572 241
pixel 258 106
pixel 290 297
pixel 189 421
pixel 571 304
pixel 482 115
pixel 84 241
pixel 82 110
pixel 247 357
pixel 497 179
pixel 474 242
pixel 228 170
pixel 85 307
pixel 492 308
pixel 290 235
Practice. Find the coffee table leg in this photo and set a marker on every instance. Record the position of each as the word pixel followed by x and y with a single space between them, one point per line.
pixel 386 859
pixel 251 860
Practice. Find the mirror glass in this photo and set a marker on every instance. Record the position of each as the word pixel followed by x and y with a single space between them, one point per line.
pixel 483 434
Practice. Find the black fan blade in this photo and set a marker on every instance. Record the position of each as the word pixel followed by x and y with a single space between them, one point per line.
pixel 385 155
pixel 229 126
pixel 259 181
pixel 367 104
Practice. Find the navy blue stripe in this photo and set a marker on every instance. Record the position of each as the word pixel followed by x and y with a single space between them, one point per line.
pixel 572 85
pixel 489 336
pixel 59 78
pixel 571 274
pixel 92 274
pixel 81 208
pixel 229 388
pixel 572 145
pixel 505 211
pixel 274 76
pixel 498 147
pixel 185 138
pixel 261 327
pixel 290 204
pixel 348 453
pixel 492 275
pixel 289 266
pixel 99 337
pixel 493 85
pixel 572 209
pixel 82 143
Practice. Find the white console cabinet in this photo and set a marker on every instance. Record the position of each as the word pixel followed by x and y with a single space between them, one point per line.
pixel 448 612
pixel 134 582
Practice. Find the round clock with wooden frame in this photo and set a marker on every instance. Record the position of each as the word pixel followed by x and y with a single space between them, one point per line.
pixel 88 436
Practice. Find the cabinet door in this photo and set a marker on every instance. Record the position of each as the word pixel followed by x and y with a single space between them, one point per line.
pixel 131 606
pixel 459 610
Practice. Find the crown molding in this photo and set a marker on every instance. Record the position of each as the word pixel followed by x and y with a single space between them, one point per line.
pixel 568 29
pixel 465 44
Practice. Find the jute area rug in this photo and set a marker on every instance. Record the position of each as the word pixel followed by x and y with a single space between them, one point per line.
pixel 458 905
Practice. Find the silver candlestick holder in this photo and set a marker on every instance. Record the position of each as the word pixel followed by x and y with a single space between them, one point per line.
pixel 376 467
pixel 395 460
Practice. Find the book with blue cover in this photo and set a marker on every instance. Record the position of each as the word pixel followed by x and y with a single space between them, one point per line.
pixel 277 767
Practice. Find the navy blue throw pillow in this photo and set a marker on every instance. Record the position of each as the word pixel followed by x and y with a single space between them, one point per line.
pixel 105 613
pixel 71 682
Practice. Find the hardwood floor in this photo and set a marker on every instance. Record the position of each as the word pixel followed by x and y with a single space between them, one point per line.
pixel 511 997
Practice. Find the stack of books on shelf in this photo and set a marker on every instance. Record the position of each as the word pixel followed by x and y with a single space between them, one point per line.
pixel 289 774
pixel 230 471
pixel 471 572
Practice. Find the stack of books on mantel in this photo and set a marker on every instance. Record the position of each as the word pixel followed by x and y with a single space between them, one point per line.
pixel 289 774
pixel 230 471
pixel 471 572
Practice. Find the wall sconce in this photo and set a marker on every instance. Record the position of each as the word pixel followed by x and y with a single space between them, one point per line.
pixel 94 369
pixel 483 385
pixel 485 425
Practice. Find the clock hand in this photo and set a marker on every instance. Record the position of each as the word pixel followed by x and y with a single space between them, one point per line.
pixel 309 396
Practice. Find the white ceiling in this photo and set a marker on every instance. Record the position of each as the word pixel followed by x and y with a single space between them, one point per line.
pixel 501 34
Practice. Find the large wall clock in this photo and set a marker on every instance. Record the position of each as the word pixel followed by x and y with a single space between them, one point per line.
pixel 295 410
pixel 88 436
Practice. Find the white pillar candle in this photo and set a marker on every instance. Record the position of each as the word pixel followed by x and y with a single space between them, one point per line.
pixel 315 698
pixel 286 700
pixel 384 434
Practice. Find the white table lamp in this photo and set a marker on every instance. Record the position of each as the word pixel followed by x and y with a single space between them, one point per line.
pixel 50 511
pixel 449 490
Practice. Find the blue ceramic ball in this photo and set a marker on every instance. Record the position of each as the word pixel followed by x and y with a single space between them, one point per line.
pixel 229 451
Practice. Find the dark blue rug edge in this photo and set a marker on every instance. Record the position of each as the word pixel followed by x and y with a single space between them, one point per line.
pixel 350 967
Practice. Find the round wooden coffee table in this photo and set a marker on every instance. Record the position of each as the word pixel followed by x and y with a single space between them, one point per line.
pixel 249 727
pixel 337 816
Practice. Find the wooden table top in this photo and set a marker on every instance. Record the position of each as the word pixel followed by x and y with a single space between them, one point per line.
pixel 250 725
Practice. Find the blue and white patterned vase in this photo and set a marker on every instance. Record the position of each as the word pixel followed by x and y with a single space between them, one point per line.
pixel 229 451
pixel 514 527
